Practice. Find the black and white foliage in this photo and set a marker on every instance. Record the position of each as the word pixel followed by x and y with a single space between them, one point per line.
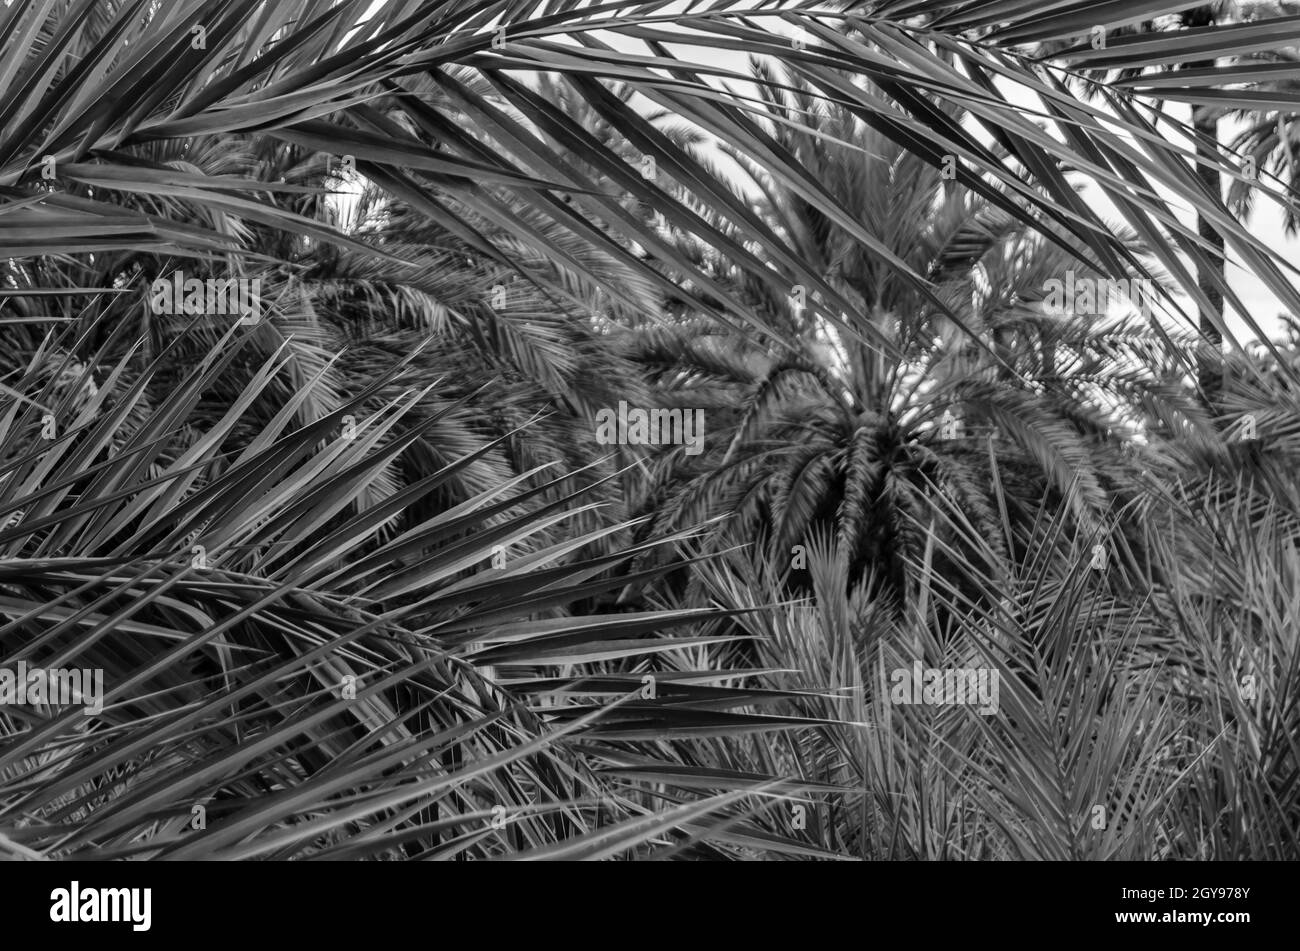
pixel 718 430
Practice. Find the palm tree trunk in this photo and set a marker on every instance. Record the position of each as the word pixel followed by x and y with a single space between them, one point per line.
pixel 1205 122
pixel 1208 277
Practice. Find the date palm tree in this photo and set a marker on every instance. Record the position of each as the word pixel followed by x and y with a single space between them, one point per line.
pixel 1247 22
pixel 1269 139
pixel 834 434
pixel 336 671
